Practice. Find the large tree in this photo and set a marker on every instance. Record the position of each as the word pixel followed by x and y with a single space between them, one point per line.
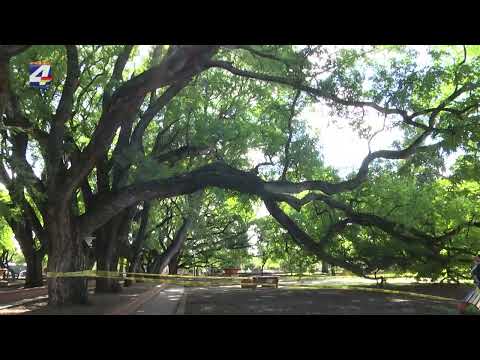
pixel 439 101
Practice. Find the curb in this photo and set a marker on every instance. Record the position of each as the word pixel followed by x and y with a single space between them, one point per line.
pixel 129 309
pixel 182 303
pixel 24 302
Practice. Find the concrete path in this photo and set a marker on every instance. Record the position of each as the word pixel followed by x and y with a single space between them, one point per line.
pixel 169 300
pixel 285 301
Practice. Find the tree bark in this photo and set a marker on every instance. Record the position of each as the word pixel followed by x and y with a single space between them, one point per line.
pixel 138 243
pixel 107 243
pixel 66 253
pixel 173 265
pixel 33 256
pixel 163 260
pixel 34 270
pixel 175 247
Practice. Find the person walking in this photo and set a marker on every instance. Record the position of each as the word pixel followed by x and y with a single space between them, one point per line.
pixel 473 297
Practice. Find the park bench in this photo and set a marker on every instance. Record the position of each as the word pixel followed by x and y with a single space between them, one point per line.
pixel 248 283
pixel 267 281
pixel 264 281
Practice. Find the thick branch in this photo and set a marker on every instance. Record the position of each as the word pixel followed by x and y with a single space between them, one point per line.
pixel 306 242
pixel 155 108
pixel 223 176
pixel 117 74
pixel 182 152
pixel 8 51
pixel 65 106
pixel 298 84
pixel 181 64
pixel 54 163
pixel 290 134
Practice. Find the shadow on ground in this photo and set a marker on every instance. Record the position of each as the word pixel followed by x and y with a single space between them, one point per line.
pixel 284 301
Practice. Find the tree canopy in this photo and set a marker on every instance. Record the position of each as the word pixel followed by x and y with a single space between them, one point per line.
pixel 112 149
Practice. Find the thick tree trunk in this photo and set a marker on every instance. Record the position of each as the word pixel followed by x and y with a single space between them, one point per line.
pixel 173 265
pixel 107 261
pixel 107 244
pixel 66 253
pixel 324 267
pixel 33 257
pixel 34 276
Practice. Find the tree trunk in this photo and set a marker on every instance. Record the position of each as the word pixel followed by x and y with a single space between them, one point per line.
pixel 173 265
pixel 33 257
pixel 138 243
pixel 106 261
pixel 324 267
pixel 174 248
pixel 263 265
pixel 108 240
pixel 66 253
pixel 105 252
pixel 34 269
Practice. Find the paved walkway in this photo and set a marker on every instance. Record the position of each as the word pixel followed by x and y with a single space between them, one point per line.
pixel 233 300
pixel 139 299
pixel 99 304
pixel 167 301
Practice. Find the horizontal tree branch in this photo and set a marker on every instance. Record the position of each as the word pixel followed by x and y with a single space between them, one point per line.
pixel 8 51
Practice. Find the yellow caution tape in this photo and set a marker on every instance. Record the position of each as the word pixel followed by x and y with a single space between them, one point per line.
pixel 101 273
pixel 51 274
pixel 186 280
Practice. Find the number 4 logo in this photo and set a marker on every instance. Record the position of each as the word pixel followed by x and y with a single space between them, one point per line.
pixel 40 75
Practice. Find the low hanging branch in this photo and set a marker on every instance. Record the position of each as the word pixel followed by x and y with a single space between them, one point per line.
pixel 307 243
pixel 224 176
pixel 407 234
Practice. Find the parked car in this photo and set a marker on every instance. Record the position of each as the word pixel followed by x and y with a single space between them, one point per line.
pixel 23 274
pixel 12 274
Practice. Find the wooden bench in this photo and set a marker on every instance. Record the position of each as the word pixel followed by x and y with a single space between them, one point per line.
pixel 267 281
pixel 248 283
pixel 264 281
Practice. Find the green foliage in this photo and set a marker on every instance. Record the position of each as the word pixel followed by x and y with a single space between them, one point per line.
pixel 6 236
pixel 230 117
